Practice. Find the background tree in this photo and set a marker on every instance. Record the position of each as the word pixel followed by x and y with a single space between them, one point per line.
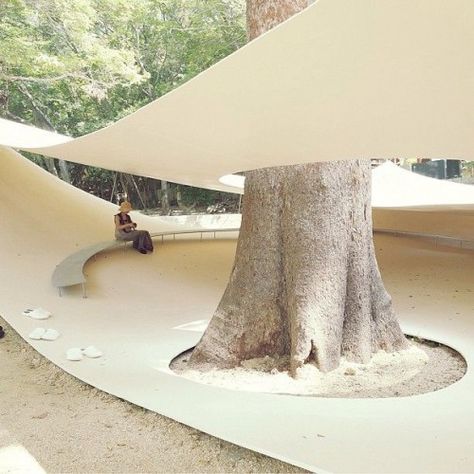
pixel 305 282
pixel 75 67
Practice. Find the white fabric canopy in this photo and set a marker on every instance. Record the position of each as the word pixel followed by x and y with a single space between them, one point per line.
pixel 341 80
pixel 392 187
pixel 395 187
pixel 17 135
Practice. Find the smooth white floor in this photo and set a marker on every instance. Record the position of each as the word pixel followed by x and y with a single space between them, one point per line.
pixel 137 303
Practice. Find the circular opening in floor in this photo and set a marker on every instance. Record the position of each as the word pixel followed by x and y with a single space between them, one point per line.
pixel 427 366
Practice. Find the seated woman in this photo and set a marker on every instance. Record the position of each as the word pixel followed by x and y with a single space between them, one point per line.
pixel 125 229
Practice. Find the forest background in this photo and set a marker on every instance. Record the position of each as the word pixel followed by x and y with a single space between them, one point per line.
pixel 76 67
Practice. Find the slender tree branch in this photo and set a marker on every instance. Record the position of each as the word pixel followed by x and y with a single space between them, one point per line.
pixel 36 106
pixel 6 77
pixel 14 117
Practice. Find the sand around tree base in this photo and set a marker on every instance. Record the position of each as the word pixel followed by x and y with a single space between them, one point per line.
pixel 425 367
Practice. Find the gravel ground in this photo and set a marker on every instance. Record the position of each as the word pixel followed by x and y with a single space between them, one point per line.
pixel 71 427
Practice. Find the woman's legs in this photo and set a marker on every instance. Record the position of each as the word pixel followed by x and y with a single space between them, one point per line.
pixel 141 240
pixel 148 242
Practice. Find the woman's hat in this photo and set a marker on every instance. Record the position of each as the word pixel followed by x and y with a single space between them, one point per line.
pixel 125 206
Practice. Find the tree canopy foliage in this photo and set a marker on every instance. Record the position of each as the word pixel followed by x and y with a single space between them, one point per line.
pixel 75 67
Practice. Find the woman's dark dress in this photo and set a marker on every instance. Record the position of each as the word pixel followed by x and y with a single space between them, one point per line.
pixel 141 238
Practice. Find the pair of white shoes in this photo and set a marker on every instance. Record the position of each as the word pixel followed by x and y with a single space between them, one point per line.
pixel 44 334
pixel 37 313
pixel 74 353
pixel 77 354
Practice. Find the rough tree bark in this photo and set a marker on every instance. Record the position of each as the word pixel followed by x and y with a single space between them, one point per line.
pixel 305 282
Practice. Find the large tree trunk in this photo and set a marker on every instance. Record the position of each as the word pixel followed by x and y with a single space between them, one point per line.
pixel 305 282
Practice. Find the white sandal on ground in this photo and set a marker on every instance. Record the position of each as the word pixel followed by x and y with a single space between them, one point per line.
pixel 74 354
pixel 92 352
pixel 37 334
pixel 37 313
pixel 50 335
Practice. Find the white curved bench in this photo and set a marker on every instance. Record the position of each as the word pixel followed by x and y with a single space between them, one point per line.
pixel 437 239
pixel 69 272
